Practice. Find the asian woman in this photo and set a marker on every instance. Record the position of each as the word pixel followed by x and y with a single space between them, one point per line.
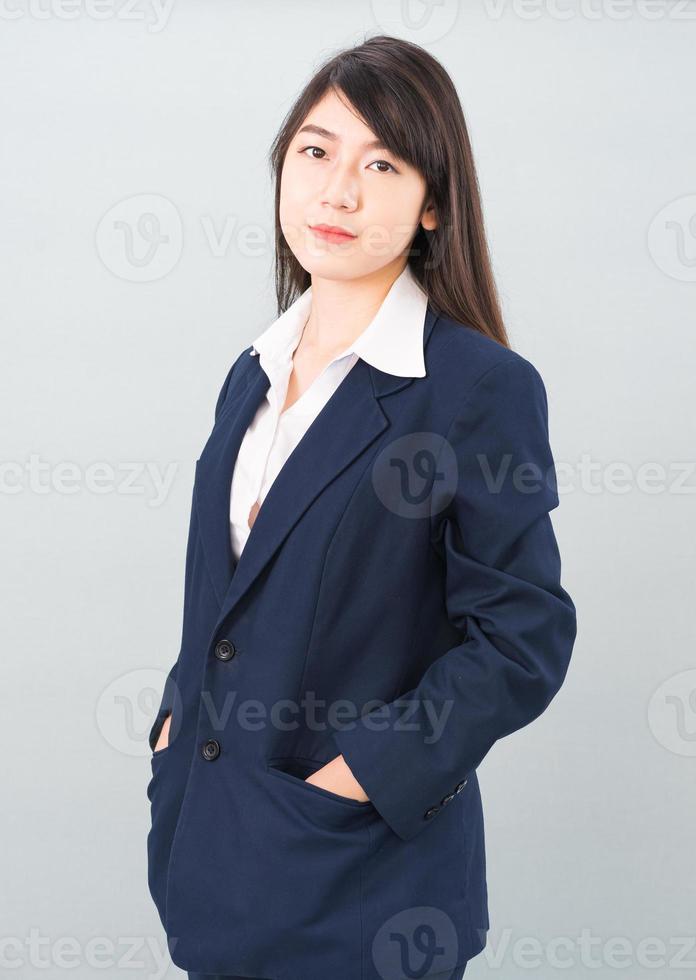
pixel 372 589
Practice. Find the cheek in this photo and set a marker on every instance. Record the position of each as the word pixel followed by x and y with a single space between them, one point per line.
pixel 395 219
pixel 295 177
pixel 292 208
pixel 293 193
pixel 288 205
pixel 396 207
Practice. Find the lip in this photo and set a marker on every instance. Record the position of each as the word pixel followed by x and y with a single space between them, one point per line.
pixel 332 233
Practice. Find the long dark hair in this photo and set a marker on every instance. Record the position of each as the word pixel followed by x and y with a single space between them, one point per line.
pixel 408 100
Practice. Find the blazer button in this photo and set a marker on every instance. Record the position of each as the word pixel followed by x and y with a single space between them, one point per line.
pixel 431 812
pixel 225 650
pixel 446 799
pixel 460 786
pixel 211 749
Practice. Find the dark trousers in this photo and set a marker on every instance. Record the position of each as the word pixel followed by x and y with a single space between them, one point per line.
pixel 455 974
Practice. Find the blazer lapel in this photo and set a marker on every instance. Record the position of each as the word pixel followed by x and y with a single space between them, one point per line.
pixel 214 475
pixel 348 423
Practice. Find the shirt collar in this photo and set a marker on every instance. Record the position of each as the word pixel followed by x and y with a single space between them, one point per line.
pixel 391 342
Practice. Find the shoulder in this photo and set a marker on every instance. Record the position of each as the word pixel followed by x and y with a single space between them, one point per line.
pixel 461 362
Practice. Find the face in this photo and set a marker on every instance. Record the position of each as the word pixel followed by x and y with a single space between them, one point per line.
pixel 336 174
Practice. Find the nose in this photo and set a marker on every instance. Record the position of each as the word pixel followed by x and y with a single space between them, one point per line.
pixel 341 190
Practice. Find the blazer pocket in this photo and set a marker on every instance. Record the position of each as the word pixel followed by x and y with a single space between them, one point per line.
pixel 158 752
pixel 295 770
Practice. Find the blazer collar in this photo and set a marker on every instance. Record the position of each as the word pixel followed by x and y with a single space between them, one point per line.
pixel 392 341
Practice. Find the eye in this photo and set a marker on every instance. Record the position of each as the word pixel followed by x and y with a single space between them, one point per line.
pixel 386 163
pixel 304 150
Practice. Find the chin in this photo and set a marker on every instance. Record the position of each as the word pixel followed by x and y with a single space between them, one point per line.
pixel 331 266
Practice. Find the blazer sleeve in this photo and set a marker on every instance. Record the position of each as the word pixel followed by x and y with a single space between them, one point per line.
pixel 489 520
pixel 170 688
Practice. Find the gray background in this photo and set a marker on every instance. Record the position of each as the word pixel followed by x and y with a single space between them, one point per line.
pixel 581 116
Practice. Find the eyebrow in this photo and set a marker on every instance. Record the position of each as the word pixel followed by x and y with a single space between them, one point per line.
pixel 327 134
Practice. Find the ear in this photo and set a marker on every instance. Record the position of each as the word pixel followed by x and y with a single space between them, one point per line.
pixel 429 217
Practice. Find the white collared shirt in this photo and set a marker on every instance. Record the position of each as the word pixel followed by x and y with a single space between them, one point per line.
pixel 392 342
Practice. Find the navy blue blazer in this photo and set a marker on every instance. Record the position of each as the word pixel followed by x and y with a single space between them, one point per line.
pixel 398 601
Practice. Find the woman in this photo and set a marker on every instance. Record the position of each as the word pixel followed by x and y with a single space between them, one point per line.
pixel 373 590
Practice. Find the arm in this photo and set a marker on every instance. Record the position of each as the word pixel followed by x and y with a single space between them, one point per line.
pixel 503 592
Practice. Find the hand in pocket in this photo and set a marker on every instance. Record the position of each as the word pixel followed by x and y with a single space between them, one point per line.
pixel 336 777
pixel 163 740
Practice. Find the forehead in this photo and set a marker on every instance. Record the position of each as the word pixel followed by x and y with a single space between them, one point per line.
pixel 336 116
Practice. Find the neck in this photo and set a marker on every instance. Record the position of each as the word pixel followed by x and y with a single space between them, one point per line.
pixel 343 308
